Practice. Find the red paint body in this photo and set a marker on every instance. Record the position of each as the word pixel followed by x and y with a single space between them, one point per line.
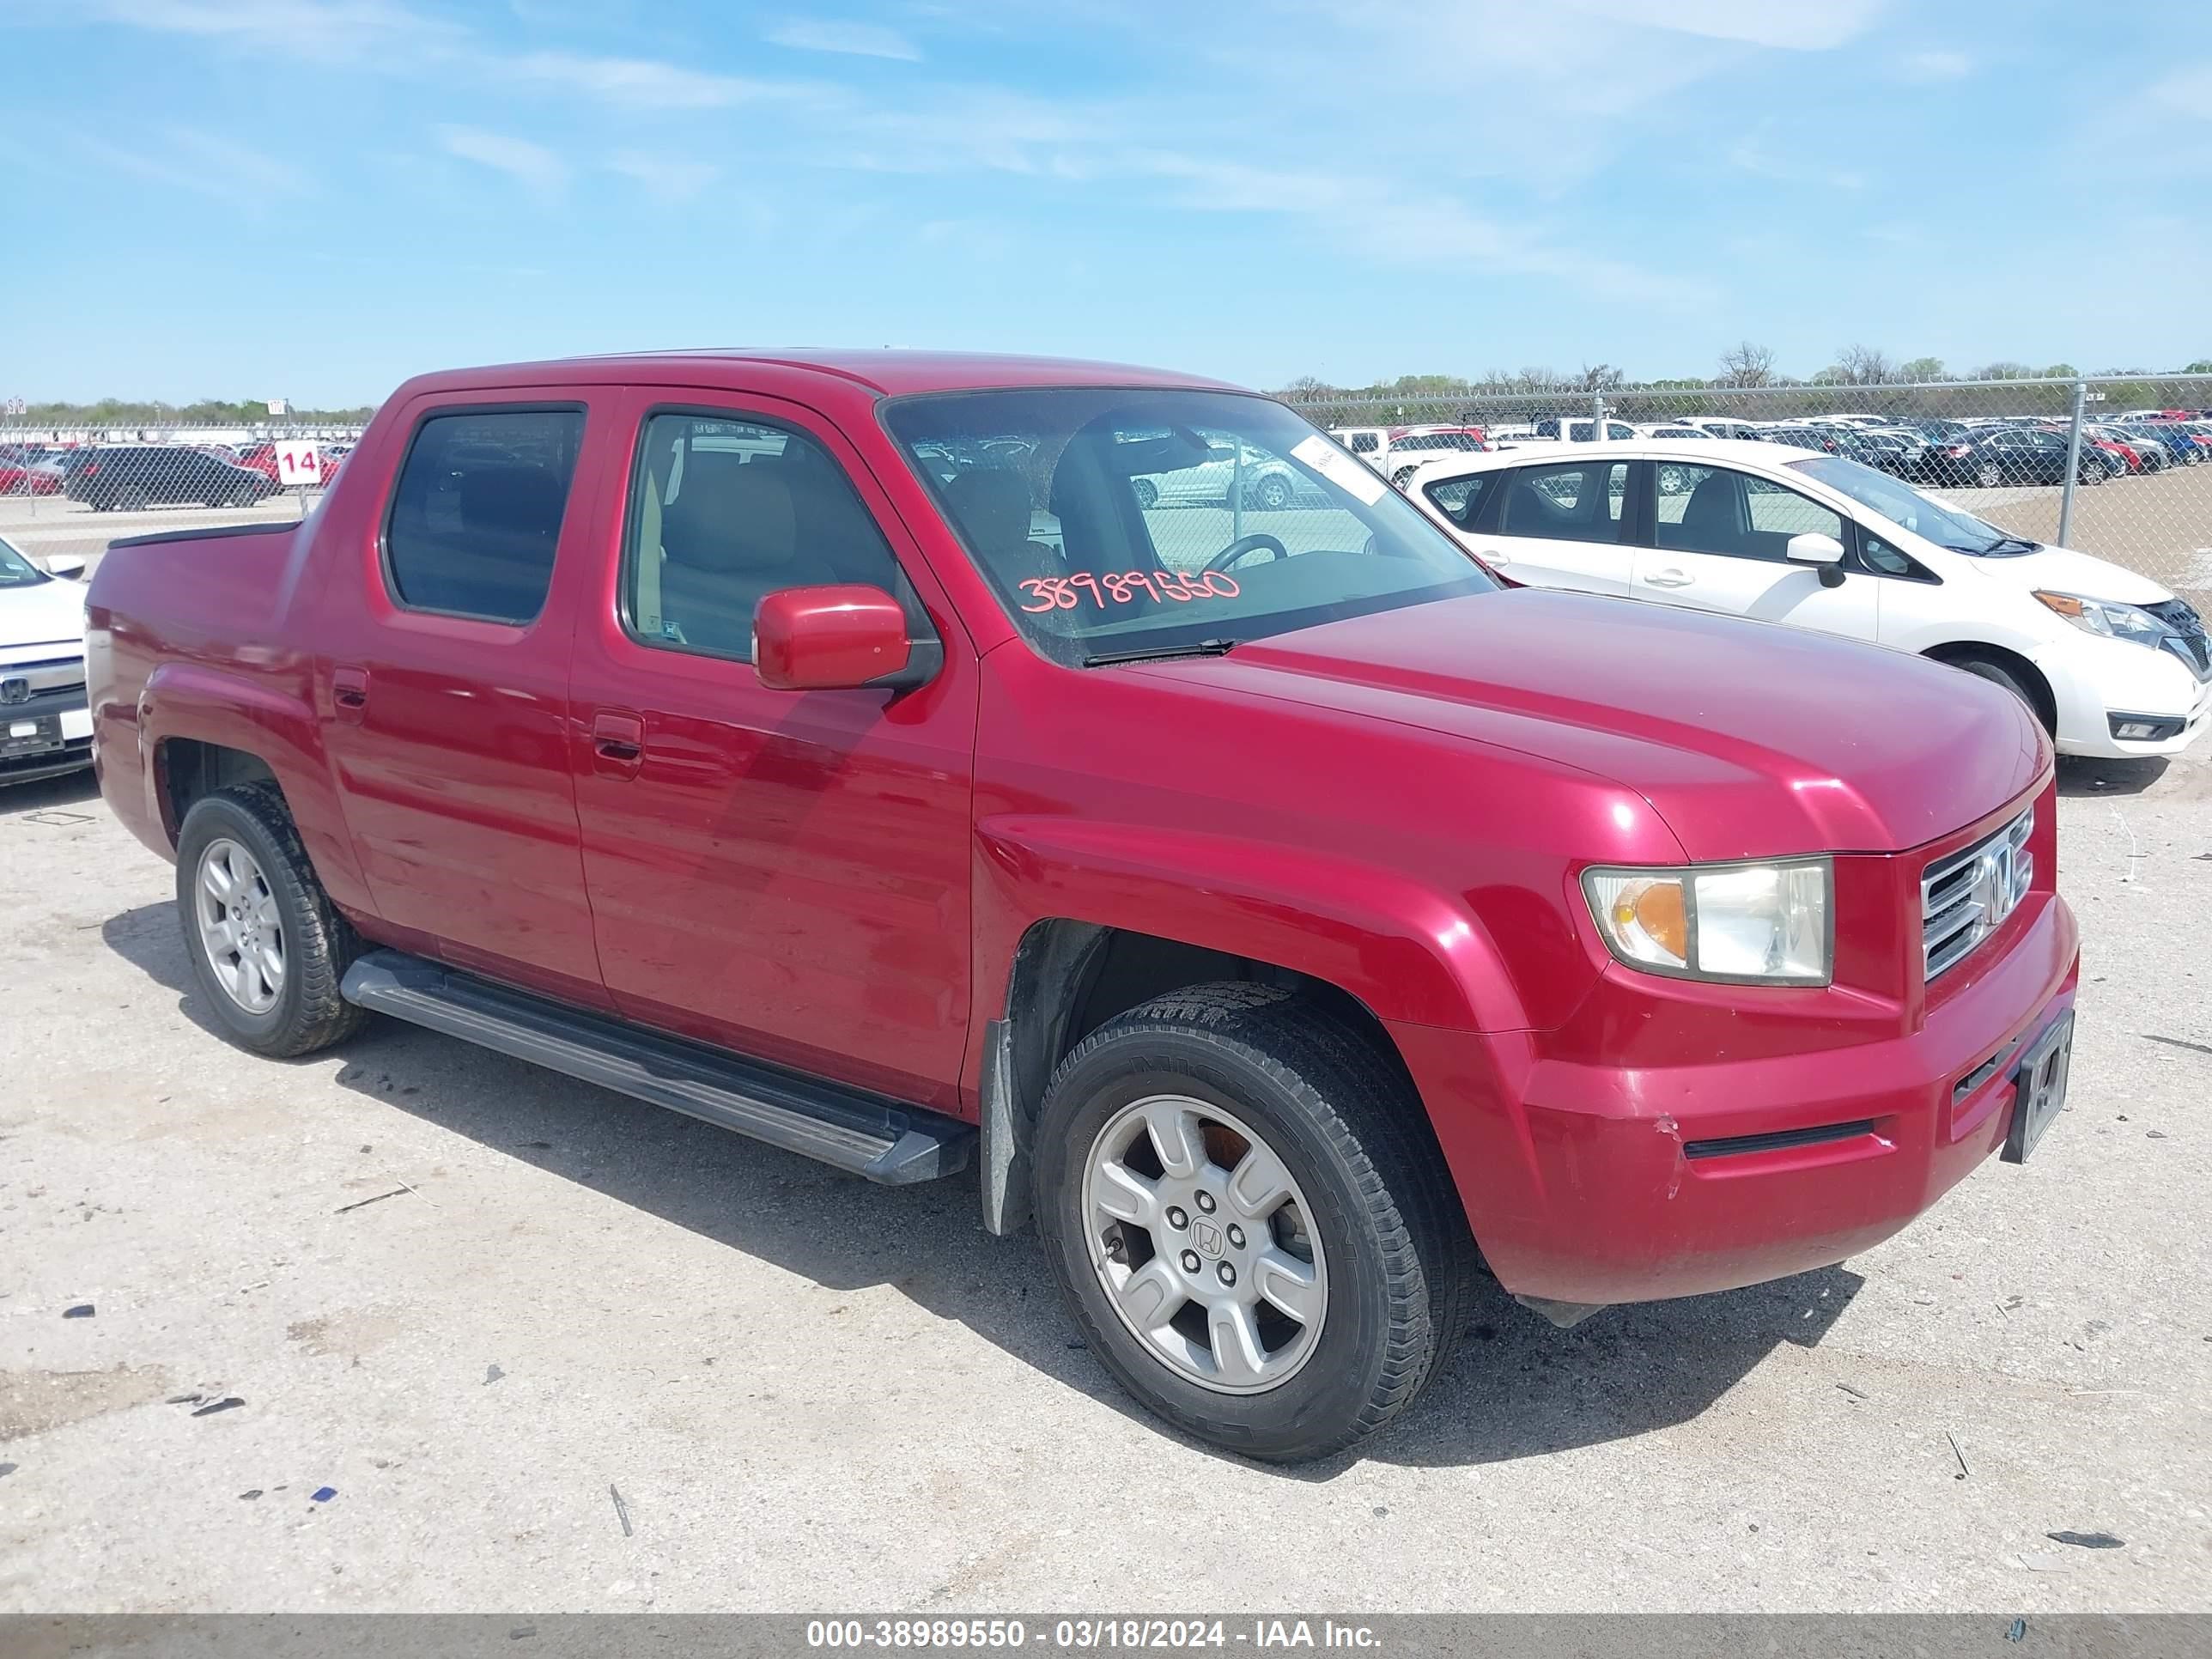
pixel 1399 805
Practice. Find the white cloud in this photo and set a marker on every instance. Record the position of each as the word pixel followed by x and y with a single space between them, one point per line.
pixel 1935 65
pixel 641 82
pixel 184 158
pixel 667 181
pixel 1798 26
pixel 321 29
pixel 2189 90
pixel 1749 155
pixel 852 39
pixel 532 164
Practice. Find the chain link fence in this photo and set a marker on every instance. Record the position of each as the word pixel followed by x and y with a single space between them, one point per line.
pixel 2120 466
pixel 65 490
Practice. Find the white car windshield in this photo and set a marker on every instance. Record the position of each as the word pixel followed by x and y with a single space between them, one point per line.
pixel 1906 507
pixel 1118 524
pixel 16 571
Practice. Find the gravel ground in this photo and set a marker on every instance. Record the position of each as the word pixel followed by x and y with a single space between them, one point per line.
pixel 470 1296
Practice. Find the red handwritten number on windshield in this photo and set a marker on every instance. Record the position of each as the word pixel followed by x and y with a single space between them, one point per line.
pixel 1065 592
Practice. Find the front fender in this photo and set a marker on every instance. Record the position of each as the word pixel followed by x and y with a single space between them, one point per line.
pixel 1412 955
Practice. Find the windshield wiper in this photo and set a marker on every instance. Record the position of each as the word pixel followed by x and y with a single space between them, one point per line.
pixel 2020 541
pixel 1162 653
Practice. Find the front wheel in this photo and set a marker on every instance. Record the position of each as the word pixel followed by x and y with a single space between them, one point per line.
pixel 1148 493
pixel 266 945
pixel 1273 493
pixel 1254 1229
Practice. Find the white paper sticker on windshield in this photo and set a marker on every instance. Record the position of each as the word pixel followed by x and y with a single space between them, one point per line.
pixel 1354 477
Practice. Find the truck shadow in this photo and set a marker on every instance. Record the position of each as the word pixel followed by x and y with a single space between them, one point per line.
pixel 2081 776
pixel 1517 1389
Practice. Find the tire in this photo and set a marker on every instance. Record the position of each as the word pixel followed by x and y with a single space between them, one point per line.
pixel 248 830
pixel 1989 475
pixel 129 498
pixel 1388 1261
pixel 1997 674
pixel 1148 493
pixel 1273 493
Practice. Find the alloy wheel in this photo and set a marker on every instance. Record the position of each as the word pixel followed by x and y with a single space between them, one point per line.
pixel 1204 1244
pixel 241 928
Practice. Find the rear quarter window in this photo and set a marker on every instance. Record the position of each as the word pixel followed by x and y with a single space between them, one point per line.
pixel 1460 500
pixel 476 514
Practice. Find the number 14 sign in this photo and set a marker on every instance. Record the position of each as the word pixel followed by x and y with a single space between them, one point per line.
pixel 298 463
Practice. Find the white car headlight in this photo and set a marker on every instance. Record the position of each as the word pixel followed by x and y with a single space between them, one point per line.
pixel 1747 924
pixel 2111 620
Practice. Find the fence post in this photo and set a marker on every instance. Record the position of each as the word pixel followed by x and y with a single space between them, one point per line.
pixel 1597 417
pixel 2073 463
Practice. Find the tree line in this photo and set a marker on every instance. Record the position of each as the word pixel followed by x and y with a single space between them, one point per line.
pixel 1745 365
pixel 207 412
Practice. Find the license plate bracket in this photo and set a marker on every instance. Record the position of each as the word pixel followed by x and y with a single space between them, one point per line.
pixel 45 733
pixel 2038 1086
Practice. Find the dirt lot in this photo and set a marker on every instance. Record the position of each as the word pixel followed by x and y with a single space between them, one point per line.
pixel 470 1296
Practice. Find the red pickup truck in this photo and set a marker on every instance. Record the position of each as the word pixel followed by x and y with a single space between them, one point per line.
pixel 1283 912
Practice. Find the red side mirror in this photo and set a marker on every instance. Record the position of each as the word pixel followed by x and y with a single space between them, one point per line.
pixel 821 639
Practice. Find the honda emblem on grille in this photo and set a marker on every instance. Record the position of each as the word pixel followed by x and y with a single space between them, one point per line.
pixel 1993 887
pixel 16 690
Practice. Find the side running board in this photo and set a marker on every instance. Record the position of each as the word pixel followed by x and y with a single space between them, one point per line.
pixel 868 1134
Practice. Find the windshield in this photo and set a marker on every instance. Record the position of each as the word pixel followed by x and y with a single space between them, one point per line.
pixel 1906 506
pixel 1116 523
pixel 16 571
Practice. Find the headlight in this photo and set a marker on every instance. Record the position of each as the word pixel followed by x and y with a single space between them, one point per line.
pixel 2114 622
pixel 1749 924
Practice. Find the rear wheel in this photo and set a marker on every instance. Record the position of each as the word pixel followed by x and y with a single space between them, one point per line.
pixel 1989 475
pixel 1148 493
pixel 1274 492
pixel 266 945
pixel 1249 1220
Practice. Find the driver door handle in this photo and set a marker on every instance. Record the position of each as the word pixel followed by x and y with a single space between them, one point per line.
pixel 1669 579
pixel 618 742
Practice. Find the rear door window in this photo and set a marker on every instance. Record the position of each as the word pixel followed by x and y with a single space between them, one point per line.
pixel 1580 502
pixel 1716 509
pixel 476 514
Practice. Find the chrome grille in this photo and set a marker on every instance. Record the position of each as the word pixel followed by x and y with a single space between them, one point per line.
pixel 1964 895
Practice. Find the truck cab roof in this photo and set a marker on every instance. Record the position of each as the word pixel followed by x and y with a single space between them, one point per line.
pixel 888 372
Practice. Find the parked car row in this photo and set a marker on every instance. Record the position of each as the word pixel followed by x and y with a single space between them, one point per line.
pixel 123 475
pixel 1991 453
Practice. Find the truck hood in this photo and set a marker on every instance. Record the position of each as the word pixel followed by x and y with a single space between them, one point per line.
pixel 1750 739
pixel 34 620
pixel 2062 570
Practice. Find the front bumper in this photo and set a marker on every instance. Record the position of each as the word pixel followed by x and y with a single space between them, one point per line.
pixel 1595 1183
pixel 67 713
pixel 2093 680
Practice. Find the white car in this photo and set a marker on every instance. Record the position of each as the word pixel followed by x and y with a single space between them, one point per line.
pixel 1267 482
pixel 44 726
pixel 2113 663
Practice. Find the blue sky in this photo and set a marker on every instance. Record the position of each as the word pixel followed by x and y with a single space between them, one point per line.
pixel 316 198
